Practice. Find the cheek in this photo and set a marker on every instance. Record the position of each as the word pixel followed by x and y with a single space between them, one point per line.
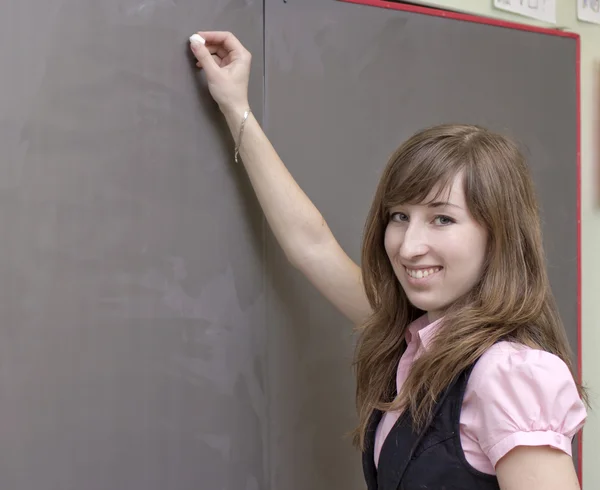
pixel 471 258
pixel 480 249
pixel 391 241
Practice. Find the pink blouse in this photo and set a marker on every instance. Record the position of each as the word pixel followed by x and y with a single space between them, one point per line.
pixel 516 396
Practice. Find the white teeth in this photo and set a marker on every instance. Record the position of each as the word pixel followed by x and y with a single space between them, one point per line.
pixel 422 273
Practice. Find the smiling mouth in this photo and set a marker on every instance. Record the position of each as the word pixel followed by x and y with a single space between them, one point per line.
pixel 421 273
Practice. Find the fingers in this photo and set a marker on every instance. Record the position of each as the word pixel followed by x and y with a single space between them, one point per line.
pixel 226 40
pixel 218 50
pixel 218 54
pixel 204 57
pixel 218 61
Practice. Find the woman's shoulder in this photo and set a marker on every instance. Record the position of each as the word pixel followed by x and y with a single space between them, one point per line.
pixel 517 363
pixel 518 395
pixel 507 353
pixel 521 387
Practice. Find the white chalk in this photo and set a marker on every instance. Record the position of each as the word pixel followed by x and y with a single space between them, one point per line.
pixel 196 38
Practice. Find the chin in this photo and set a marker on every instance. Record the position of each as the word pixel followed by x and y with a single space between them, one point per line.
pixel 426 304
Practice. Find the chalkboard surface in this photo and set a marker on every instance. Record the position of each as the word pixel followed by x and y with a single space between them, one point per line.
pixel 153 335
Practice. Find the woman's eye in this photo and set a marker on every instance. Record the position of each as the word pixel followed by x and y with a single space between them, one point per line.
pixel 443 220
pixel 398 217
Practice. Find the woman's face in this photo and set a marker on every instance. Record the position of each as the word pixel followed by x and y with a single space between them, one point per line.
pixel 437 250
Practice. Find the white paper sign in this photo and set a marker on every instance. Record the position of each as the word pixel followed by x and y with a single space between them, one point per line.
pixel 588 10
pixel 538 9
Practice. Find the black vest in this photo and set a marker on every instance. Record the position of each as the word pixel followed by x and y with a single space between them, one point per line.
pixel 432 458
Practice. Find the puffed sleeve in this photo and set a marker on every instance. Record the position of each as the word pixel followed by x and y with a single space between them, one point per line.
pixel 522 397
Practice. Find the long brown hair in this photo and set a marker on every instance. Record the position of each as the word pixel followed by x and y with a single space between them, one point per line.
pixel 512 300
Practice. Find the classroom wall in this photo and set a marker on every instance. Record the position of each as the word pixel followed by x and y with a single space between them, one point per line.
pixel 590 209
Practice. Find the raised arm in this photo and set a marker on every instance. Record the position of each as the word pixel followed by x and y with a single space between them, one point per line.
pixel 296 223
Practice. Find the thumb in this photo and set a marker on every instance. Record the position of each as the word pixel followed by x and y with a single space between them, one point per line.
pixel 202 54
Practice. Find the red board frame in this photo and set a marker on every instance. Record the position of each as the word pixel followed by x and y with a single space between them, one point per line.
pixel 540 30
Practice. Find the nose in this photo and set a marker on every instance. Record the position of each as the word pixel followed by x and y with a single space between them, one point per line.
pixel 414 242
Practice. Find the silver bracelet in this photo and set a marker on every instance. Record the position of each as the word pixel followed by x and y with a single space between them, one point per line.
pixel 237 148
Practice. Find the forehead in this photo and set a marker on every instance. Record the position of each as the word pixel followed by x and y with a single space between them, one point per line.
pixel 452 192
pixel 424 184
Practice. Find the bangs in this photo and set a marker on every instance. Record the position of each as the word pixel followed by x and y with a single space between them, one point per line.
pixel 423 177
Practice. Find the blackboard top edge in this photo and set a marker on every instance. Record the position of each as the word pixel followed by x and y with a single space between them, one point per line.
pixel 449 14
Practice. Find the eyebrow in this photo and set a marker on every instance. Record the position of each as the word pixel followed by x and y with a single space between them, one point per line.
pixel 440 204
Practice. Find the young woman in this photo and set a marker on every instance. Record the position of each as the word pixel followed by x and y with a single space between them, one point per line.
pixel 464 377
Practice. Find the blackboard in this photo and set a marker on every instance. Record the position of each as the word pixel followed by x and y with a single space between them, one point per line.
pixel 154 335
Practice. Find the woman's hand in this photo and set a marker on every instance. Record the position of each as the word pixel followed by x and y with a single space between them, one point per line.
pixel 227 66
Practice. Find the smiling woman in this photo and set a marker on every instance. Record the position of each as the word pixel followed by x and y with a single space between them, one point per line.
pixel 463 366
pixel 461 232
